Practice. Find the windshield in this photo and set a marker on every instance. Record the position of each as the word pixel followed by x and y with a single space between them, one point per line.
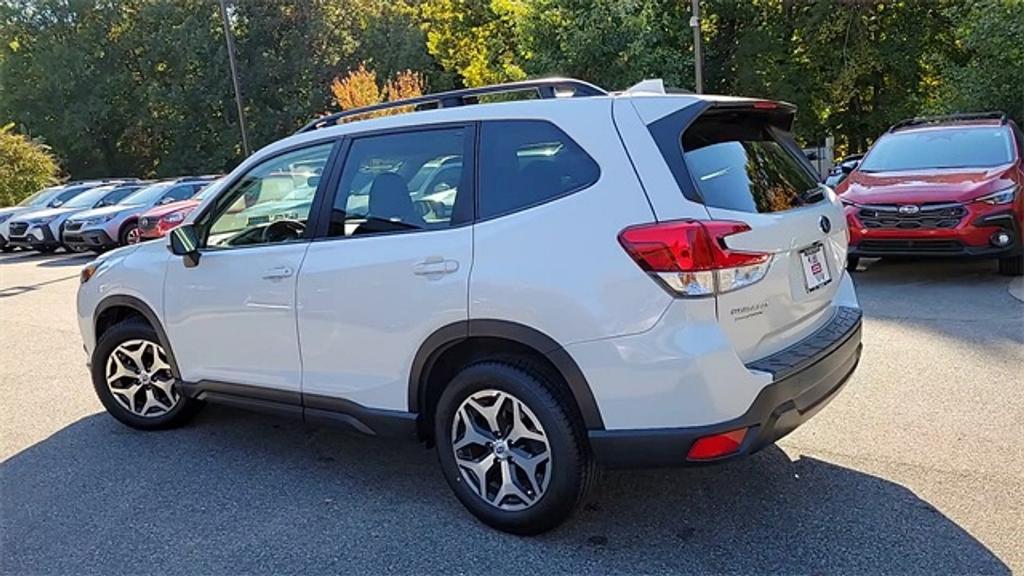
pixel 303 193
pixel 147 195
pixel 974 147
pixel 87 199
pixel 40 197
pixel 208 190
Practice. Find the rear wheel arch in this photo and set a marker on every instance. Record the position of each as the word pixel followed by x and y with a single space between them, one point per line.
pixel 457 345
pixel 115 309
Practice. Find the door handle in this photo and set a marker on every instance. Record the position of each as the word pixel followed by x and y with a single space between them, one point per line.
pixel 435 266
pixel 277 273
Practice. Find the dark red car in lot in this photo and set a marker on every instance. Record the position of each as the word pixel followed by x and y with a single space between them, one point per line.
pixel 158 221
pixel 940 186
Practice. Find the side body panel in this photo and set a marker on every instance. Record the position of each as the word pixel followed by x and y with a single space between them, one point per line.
pixel 232 317
pixel 558 267
pixel 365 307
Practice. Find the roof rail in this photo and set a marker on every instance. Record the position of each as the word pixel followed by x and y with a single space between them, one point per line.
pixel 965 117
pixel 544 88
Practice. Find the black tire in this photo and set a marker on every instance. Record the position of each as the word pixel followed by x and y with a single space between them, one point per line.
pixel 571 466
pixel 128 330
pixel 46 249
pixel 1012 266
pixel 6 249
pixel 851 263
pixel 126 229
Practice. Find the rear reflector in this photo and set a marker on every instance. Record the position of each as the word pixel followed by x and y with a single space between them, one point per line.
pixel 690 257
pixel 711 447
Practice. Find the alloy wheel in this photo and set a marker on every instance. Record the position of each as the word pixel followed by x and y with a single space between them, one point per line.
pixel 134 235
pixel 501 450
pixel 140 379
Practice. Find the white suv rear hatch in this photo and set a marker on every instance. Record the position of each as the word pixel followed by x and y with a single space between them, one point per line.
pixel 744 167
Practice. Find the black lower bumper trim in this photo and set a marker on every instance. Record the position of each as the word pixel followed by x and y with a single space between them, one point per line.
pixel 800 391
pixel 925 249
pixel 89 240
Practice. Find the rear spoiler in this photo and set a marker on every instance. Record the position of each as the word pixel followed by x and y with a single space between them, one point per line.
pixel 777 113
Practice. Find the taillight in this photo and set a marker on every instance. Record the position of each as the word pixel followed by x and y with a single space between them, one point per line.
pixel 690 258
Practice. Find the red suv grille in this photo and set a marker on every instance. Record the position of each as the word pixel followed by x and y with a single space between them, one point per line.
pixel 911 216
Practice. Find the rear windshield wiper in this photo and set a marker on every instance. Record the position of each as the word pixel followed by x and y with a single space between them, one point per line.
pixel 812 195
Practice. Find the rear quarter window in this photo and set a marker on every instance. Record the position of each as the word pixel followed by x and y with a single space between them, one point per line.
pixel 740 162
pixel 524 163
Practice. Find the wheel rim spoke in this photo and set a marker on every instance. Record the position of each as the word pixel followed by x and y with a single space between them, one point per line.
pixel 501 450
pixel 140 366
pixel 473 435
pixel 489 412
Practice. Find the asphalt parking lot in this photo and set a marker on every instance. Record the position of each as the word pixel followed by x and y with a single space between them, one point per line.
pixel 918 467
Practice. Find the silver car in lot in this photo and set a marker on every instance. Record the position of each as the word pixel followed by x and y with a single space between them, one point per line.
pixel 41 229
pixel 118 225
pixel 52 197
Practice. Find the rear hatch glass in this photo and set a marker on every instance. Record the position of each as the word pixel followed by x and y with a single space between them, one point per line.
pixel 747 168
pixel 740 162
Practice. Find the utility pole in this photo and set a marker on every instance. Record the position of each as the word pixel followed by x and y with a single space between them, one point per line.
pixel 698 58
pixel 230 40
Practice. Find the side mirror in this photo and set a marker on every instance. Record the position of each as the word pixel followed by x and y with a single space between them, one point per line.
pixel 313 181
pixel 184 241
pixel 847 168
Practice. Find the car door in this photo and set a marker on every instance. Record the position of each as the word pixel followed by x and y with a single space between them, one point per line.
pixel 389 269
pixel 231 318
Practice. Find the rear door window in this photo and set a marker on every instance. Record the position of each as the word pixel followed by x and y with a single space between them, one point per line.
pixel 524 163
pixel 742 163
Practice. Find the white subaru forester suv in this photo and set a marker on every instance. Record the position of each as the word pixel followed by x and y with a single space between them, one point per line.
pixel 537 287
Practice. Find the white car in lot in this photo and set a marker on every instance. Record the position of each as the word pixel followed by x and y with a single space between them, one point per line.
pixel 41 230
pixel 664 285
pixel 52 197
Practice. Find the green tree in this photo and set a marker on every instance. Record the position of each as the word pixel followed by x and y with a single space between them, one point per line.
pixel 480 40
pixel 984 68
pixel 612 43
pixel 25 166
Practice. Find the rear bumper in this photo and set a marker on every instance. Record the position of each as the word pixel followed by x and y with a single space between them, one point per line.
pixel 807 376
pixel 89 240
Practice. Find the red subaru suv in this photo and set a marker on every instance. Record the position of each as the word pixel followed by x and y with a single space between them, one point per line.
pixel 940 186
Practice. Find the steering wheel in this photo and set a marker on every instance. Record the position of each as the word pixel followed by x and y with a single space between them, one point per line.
pixel 282 231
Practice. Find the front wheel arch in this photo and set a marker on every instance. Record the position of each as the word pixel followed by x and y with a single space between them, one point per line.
pixel 122 232
pixel 115 309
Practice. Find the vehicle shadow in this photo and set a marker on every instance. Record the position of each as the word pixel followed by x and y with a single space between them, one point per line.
pixel 68 259
pixel 238 493
pixel 18 290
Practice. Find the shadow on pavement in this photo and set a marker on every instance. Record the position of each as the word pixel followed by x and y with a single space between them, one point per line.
pixel 237 493
pixel 68 259
pixel 965 300
pixel 17 290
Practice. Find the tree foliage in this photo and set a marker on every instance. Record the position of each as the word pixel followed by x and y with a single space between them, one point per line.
pixel 25 166
pixel 141 87
pixel 360 88
pixel 985 69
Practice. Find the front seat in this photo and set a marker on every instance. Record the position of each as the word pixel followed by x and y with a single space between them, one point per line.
pixel 390 208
